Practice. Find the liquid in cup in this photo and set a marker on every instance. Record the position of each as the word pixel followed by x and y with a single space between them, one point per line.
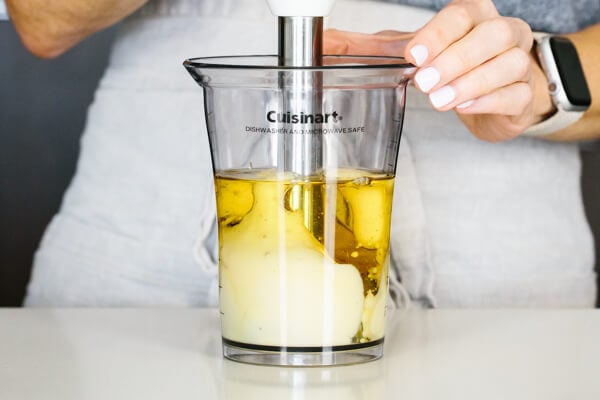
pixel 304 260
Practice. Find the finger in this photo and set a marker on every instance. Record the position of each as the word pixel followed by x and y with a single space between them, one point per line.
pixel 512 100
pixel 507 68
pixel 449 25
pixel 487 40
pixel 385 43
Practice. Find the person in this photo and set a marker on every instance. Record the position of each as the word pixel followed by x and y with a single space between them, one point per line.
pixel 475 223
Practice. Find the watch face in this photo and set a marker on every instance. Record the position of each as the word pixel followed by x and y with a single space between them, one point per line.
pixel 571 72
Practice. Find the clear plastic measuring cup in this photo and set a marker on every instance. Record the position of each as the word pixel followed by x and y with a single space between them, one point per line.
pixel 304 162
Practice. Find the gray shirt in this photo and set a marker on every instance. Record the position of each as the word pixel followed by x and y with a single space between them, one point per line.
pixel 556 16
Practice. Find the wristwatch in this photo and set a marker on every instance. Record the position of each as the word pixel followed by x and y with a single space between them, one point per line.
pixel 566 83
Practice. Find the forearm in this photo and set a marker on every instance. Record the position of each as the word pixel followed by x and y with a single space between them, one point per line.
pixel 587 43
pixel 49 28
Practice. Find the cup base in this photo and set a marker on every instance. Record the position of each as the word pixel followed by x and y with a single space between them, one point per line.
pixel 302 356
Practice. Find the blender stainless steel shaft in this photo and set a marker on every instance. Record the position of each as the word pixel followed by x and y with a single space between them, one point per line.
pixel 300 45
pixel 300 41
pixel 300 34
pixel 300 37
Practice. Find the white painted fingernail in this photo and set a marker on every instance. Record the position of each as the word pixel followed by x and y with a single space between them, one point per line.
pixel 409 71
pixel 427 78
pixel 420 54
pixel 443 96
pixel 465 104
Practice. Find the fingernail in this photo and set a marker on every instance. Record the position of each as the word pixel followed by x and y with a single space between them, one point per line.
pixel 420 54
pixel 409 71
pixel 442 96
pixel 427 78
pixel 465 104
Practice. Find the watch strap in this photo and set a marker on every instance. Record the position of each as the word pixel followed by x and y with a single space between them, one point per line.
pixel 561 119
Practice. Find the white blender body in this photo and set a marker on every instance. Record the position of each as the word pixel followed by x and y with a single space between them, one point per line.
pixel 301 8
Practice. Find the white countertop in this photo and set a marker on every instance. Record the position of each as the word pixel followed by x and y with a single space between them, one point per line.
pixel 175 354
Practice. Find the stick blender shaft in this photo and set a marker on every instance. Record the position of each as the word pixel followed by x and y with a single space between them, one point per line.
pixel 300 45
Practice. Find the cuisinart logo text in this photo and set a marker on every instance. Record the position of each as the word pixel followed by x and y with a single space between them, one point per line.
pixel 302 118
pixel 303 123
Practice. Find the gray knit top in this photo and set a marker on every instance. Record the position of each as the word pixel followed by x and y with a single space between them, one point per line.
pixel 557 16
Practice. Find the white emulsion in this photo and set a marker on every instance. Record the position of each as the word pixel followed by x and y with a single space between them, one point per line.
pixel 294 299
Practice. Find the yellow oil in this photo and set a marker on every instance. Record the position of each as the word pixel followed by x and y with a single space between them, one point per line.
pixel 277 253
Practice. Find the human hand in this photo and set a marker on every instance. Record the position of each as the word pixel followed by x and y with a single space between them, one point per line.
pixel 474 61
pixel 384 43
